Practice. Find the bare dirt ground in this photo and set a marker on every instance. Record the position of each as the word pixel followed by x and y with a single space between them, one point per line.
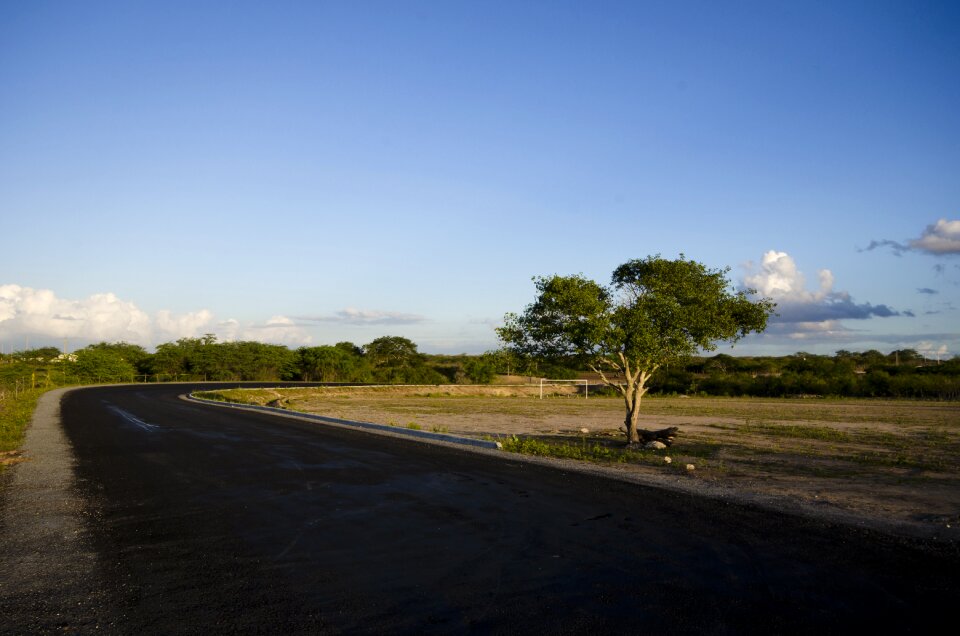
pixel 895 461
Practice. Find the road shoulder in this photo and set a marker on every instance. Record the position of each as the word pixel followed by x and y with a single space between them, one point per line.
pixel 48 571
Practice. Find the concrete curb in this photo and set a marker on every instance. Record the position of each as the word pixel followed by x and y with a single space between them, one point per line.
pixel 368 426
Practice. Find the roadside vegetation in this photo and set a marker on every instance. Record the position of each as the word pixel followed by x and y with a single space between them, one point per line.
pixel 15 413
pixel 394 360
pixel 21 384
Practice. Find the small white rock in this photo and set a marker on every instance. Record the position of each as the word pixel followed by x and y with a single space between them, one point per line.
pixel 584 430
pixel 690 466
pixel 667 460
pixel 655 445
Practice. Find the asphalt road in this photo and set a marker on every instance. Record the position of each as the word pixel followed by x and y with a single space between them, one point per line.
pixel 198 519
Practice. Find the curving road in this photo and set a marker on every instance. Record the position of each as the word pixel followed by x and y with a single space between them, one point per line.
pixel 197 519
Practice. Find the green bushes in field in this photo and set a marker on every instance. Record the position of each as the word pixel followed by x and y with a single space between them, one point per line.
pixel 902 374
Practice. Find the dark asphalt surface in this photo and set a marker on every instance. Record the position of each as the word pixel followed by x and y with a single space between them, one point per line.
pixel 208 520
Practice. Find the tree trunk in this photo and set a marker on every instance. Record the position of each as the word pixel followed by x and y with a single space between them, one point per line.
pixel 633 388
pixel 633 414
pixel 633 392
pixel 632 395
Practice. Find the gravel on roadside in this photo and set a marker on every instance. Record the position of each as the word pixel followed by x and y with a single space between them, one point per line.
pixel 49 574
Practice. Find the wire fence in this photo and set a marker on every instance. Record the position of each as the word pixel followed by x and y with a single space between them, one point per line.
pixel 13 388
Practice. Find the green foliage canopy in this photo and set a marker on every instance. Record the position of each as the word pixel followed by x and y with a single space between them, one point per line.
pixel 331 364
pixel 395 359
pixel 103 363
pixel 392 351
pixel 656 311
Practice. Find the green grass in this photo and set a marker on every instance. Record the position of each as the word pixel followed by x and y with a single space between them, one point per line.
pixel 607 452
pixel 217 396
pixel 589 450
pixel 703 449
pixel 567 450
pixel 902 460
pixel 15 415
pixel 798 431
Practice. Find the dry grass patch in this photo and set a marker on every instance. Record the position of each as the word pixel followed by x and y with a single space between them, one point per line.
pixel 8 458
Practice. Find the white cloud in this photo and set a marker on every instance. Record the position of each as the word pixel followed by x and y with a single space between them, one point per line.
pixel 943 237
pixel 822 330
pixel 189 325
pixel 780 279
pixel 229 329
pixel 802 312
pixel 354 316
pixel 28 311
pixel 279 330
pixel 39 313
pixel 932 350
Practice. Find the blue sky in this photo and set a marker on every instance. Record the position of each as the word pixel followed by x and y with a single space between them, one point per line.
pixel 311 172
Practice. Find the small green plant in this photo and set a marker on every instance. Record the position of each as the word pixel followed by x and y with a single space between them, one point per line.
pixel 413 426
pixel 439 428
pixel 210 395
pixel 583 450
pixel 230 397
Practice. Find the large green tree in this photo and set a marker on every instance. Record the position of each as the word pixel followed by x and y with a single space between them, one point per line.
pixel 331 364
pixel 134 354
pixel 103 364
pixel 392 351
pixel 395 360
pixel 655 312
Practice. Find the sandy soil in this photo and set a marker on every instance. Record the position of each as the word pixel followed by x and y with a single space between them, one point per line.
pixel 890 461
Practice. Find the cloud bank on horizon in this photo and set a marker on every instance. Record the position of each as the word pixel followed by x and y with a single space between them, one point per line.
pixel 815 315
pixel 803 314
pixel 39 314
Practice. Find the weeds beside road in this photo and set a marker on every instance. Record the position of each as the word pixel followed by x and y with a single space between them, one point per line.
pixel 16 410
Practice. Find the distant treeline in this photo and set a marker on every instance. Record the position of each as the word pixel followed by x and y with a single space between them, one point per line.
pixel 390 359
pixel 394 359
pixel 900 374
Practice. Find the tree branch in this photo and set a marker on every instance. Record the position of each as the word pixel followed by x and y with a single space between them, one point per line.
pixel 603 378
